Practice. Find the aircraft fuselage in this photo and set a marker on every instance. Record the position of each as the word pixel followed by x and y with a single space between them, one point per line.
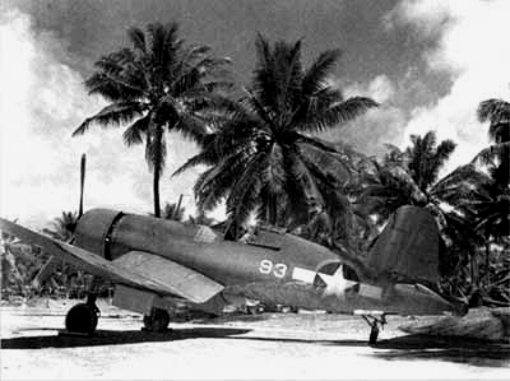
pixel 273 268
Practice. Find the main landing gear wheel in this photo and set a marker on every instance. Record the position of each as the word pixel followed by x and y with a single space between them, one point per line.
pixel 82 318
pixel 376 323
pixel 157 321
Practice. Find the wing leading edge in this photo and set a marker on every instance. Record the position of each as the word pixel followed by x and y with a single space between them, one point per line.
pixel 193 286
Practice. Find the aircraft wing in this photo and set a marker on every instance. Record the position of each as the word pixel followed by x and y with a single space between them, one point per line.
pixel 194 286
pixel 191 284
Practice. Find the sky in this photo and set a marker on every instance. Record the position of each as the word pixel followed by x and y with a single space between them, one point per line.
pixel 428 62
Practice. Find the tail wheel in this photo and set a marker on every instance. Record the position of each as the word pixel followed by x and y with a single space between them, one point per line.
pixel 374 334
pixel 376 323
pixel 157 321
pixel 82 318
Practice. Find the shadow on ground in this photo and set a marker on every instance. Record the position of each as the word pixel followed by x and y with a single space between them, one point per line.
pixel 411 347
pixel 423 347
pixel 105 337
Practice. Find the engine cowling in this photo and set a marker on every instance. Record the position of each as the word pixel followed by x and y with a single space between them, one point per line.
pixel 94 230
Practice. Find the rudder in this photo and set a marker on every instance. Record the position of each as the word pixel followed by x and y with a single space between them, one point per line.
pixel 408 247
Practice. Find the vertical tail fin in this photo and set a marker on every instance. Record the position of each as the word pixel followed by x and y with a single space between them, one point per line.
pixel 408 247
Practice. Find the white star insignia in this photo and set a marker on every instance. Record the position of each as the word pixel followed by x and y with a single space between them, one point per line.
pixel 336 284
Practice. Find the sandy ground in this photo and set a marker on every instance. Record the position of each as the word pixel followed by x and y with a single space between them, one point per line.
pixel 268 346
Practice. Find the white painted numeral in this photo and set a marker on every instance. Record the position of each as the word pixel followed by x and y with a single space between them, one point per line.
pixel 280 270
pixel 267 267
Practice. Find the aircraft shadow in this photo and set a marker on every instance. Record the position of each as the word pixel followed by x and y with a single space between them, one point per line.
pixel 423 347
pixel 106 337
pixel 347 343
pixel 411 347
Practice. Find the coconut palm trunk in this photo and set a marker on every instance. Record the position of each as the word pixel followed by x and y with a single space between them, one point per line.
pixel 155 190
pixel 156 158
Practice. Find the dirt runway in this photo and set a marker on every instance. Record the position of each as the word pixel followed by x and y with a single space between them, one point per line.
pixel 267 346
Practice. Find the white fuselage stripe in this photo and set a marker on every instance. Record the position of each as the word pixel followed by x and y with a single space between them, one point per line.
pixel 303 275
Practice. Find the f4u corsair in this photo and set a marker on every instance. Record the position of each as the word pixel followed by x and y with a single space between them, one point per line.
pixel 155 262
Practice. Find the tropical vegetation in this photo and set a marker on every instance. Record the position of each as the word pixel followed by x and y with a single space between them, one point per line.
pixel 265 160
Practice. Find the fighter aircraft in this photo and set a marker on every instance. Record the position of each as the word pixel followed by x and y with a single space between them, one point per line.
pixel 155 262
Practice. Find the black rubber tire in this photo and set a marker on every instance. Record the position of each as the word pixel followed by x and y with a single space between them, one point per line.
pixel 82 318
pixel 157 321
pixel 252 310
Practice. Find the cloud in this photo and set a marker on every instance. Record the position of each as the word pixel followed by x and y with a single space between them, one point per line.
pixel 369 132
pixel 428 17
pixel 381 89
pixel 472 48
pixel 42 100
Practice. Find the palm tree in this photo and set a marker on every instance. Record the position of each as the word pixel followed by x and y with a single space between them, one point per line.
pixel 426 158
pixel 174 212
pixel 497 113
pixel 412 177
pixel 493 213
pixel 384 187
pixel 261 152
pixel 63 227
pixel 158 84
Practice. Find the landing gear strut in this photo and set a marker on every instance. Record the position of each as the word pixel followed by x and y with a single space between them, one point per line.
pixel 376 323
pixel 83 317
pixel 157 321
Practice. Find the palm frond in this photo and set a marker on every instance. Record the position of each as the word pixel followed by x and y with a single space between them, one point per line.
pixel 243 196
pixel 164 45
pixel 191 77
pixel 273 177
pixel 208 197
pixel 118 79
pixel 425 158
pixel 316 76
pixel 316 142
pixel 321 117
pixel 190 126
pixel 253 103
pixel 114 114
pixel 300 183
pixel 336 165
pixel 202 158
pixel 135 133
pixel 493 110
pixel 493 153
pixel 278 75
pixel 137 37
pixel 497 112
pixel 219 179
pixel 463 184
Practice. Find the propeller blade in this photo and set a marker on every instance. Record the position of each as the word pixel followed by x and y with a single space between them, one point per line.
pixel 82 182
